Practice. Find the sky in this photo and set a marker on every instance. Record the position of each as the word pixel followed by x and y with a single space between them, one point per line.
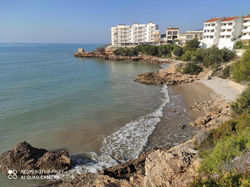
pixel 89 21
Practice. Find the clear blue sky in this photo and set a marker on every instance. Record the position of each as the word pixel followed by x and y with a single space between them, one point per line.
pixel 89 21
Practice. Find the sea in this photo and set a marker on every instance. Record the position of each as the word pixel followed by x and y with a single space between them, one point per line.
pixel 90 107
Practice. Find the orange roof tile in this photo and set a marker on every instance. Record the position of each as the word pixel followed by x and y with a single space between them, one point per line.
pixel 248 16
pixel 212 20
pixel 229 19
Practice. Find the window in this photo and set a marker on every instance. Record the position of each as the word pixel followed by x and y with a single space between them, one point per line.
pixel 228 36
pixel 175 32
pixel 211 37
pixel 213 24
pixel 169 32
pixel 212 30
pixel 229 30
pixel 230 23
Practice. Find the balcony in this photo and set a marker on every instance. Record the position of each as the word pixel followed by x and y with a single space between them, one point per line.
pixel 247 30
pixel 227 27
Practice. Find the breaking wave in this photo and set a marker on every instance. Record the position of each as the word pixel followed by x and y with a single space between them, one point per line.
pixel 125 144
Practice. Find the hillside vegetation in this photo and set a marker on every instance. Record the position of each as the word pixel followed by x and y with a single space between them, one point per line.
pixel 226 149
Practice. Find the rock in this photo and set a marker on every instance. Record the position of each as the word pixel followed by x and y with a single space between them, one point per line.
pixel 26 157
pixel 174 167
pixel 165 78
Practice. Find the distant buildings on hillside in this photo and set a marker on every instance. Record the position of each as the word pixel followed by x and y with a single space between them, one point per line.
pixel 222 32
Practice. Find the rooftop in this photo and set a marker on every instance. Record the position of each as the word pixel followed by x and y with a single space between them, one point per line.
pixel 229 18
pixel 248 16
pixel 213 20
pixel 173 28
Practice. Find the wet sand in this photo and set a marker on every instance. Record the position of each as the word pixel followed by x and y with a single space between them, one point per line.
pixel 174 127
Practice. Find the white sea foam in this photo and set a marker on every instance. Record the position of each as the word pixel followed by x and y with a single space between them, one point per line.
pixel 126 143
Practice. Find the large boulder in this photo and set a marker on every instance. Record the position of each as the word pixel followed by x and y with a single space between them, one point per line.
pixel 25 157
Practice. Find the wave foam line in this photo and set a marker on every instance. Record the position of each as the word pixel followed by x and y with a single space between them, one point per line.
pixel 126 143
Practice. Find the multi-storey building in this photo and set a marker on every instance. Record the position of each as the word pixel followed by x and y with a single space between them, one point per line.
pixel 123 35
pixel 246 28
pixel 230 32
pixel 211 32
pixel 172 34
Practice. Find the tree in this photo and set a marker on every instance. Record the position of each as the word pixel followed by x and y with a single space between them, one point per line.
pixel 178 51
pixel 192 68
pixel 192 45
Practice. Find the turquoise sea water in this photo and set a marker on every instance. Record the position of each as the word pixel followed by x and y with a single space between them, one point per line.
pixel 53 100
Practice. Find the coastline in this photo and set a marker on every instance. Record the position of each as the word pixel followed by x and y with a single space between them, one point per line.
pixel 191 94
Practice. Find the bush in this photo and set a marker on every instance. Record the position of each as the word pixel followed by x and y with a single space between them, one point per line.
pixel 187 56
pixel 242 103
pixel 241 69
pixel 226 180
pixel 192 68
pixel 147 49
pixel 100 49
pixel 192 45
pixel 238 45
pixel 126 51
pixel 230 140
pixel 178 51
pixel 227 54
pixel 226 72
pixel 164 50
pixel 213 56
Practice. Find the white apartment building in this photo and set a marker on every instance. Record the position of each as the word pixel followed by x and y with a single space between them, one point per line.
pixel 246 28
pixel 211 32
pixel 230 32
pixel 136 34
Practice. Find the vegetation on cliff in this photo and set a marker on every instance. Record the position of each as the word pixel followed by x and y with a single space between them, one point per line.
pixel 241 69
pixel 226 148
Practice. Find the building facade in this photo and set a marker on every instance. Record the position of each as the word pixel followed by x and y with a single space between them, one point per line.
pixel 185 37
pixel 190 35
pixel 197 34
pixel 211 32
pixel 230 32
pixel 246 28
pixel 172 34
pixel 136 34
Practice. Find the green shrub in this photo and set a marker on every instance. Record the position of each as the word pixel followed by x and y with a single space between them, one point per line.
pixel 147 49
pixel 241 69
pixel 192 45
pixel 231 140
pixel 227 54
pixel 126 51
pixel 226 72
pixel 238 45
pixel 192 68
pixel 164 50
pixel 178 51
pixel 226 180
pixel 213 56
pixel 242 103
pixel 187 56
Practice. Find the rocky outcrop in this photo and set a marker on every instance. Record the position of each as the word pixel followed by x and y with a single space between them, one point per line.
pixel 26 157
pixel 169 76
pixel 108 54
pixel 217 111
pixel 174 167
pixel 165 78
